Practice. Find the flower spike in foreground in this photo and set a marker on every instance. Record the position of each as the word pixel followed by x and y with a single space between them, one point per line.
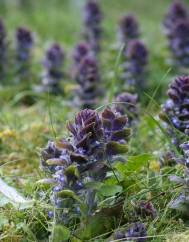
pixel 128 28
pixel 24 44
pixel 95 140
pixel 92 21
pixel 53 62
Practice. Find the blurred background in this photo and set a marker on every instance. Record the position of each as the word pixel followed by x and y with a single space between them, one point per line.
pixel 61 20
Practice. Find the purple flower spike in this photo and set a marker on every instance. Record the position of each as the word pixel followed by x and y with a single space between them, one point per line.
pixel 182 201
pixel 95 140
pixel 53 63
pixel 136 60
pixel 179 43
pixel 176 110
pixel 127 104
pixel 128 28
pixel 3 49
pixel 177 11
pixel 88 78
pixel 137 232
pixel 54 57
pixel 80 52
pixel 92 21
pixel 116 132
pixel 24 44
pixel 87 132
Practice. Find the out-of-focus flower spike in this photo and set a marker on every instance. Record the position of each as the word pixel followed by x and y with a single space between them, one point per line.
pixel 175 111
pixel 88 79
pixel 81 50
pixel 128 29
pixel 53 74
pixel 179 43
pixel 92 22
pixel 24 44
pixel 127 104
pixel 177 11
pixel 135 66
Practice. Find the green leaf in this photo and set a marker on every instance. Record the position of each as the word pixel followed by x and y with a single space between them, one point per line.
pixel 60 233
pixel 135 163
pixel 93 185
pixel 69 194
pixel 72 170
pixel 110 190
pixel 114 148
pixel 94 226
pixel 46 183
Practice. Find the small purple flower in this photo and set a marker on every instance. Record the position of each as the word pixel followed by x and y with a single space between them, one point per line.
pixel 50 214
pixel 88 78
pixel 54 57
pixel 182 201
pixel 128 28
pixel 87 132
pixel 135 66
pixel 92 21
pixel 146 208
pixel 24 44
pixel 137 232
pixel 116 133
pixel 53 74
pixel 137 52
pixel 81 50
pixel 50 152
pixel 179 43
pixel 177 11
pixel 118 235
pixel 175 111
pixel 127 104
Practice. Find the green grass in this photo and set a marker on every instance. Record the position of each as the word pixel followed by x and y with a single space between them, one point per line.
pixel 24 130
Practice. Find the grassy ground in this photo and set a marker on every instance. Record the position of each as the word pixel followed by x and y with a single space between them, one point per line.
pixel 24 130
